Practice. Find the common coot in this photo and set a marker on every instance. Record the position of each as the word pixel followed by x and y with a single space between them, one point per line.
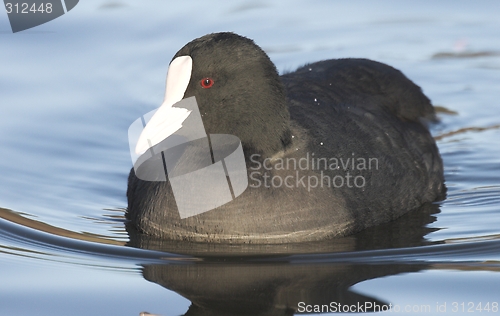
pixel 330 149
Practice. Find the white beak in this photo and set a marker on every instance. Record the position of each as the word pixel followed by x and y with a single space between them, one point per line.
pixel 168 119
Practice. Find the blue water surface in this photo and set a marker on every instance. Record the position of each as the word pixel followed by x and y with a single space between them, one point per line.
pixel 70 88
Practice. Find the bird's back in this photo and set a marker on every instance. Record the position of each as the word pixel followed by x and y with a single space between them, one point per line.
pixel 368 118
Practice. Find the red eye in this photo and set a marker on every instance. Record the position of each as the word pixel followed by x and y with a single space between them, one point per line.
pixel 207 83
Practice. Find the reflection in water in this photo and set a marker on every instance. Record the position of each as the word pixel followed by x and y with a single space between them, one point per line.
pixel 40 226
pixel 262 280
pixel 29 238
pixel 243 279
pixel 466 129
pixel 465 54
pixel 232 288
